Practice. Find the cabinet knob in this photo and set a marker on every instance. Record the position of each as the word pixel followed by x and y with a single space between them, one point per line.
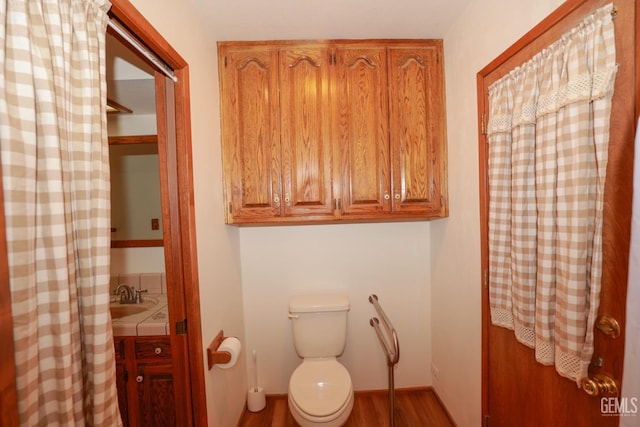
pixel 386 196
pixel 139 378
pixel 158 350
pixel 276 200
pixel 397 196
pixel 287 199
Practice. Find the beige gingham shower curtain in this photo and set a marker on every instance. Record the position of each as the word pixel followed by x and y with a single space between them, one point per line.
pixel 55 174
pixel 548 135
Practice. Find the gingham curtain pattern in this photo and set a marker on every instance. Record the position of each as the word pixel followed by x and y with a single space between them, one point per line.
pixel 55 177
pixel 548 135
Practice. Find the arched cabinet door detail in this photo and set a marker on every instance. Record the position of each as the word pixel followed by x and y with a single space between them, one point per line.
pixel 331 131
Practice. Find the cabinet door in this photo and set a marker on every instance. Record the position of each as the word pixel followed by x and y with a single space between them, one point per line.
pixel 251 131
pixel 306 131
pixel 121 385
pixel 416 107
pixel 155 395
pixel 362 132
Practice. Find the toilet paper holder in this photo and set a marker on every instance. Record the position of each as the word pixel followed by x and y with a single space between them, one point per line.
pixel 213 355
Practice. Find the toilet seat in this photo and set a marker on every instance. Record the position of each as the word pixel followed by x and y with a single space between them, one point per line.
pixel 320 389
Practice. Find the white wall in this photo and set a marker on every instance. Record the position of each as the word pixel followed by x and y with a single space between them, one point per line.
pixel 131 124
pixel 218 245
pixel 483 31
pixel 389 260
pixel 424 273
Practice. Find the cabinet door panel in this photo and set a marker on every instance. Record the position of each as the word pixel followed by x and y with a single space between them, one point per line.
pixel 416 104
pixel 305 131
pixel 362 130
pixel 250 125
pixel 155 395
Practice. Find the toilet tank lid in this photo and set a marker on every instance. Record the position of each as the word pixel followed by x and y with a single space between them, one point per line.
pixel 318 303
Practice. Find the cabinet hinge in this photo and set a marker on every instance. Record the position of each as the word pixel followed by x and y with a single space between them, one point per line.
pixel 230 210
pixel 486 421
pixel 484 123
pixel 225 62
pixel 337 204
pixel 441 201
pixel 181 327
pixel 485 279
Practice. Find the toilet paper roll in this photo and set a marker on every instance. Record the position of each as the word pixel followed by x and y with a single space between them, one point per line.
pixel 233 346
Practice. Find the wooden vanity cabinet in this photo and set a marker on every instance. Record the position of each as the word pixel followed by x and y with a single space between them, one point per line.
pixel 333 131
pixel 144 377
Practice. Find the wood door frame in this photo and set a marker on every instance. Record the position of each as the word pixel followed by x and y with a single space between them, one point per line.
pixel 8 388
pixel 180 251
pixel 617 215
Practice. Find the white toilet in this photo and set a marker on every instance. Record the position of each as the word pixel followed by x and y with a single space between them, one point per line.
pixel 320 390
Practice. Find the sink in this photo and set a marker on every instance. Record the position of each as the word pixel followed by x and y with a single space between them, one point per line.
pixel 118 311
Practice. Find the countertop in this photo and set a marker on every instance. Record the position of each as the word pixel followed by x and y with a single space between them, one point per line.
pixel 152 318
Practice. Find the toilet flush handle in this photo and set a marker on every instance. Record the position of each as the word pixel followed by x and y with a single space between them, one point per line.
pixel 293 316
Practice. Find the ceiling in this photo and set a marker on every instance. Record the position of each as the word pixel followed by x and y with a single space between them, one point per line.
pixel 130 79
pixel 327 19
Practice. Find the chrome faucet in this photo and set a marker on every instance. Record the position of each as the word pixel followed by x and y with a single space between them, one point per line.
pixel 126 294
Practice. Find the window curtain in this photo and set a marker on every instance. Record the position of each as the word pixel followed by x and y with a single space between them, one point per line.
pixel 55 176
pixel 548 135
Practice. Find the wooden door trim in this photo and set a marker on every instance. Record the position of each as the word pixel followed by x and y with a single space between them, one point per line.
pixel 617 216
pixel 8 386
pixel 183 246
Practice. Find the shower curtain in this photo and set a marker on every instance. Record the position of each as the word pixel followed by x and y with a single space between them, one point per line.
pixel 548 136
pixel 55 173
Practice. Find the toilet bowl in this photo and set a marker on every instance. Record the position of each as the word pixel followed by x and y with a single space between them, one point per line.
pixel 320 393
pixel 320 389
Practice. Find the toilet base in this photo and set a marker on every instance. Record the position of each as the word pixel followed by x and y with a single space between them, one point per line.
pixel 335 422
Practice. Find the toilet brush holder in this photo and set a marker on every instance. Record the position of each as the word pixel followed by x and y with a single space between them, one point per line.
pixel 256 400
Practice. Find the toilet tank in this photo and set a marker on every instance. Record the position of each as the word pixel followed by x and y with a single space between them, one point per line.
pixel 319 324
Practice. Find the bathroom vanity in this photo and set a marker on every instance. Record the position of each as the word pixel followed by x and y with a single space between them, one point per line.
pixel 144 371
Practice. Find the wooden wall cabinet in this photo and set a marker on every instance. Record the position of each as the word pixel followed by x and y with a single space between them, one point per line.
pixel 144 378
pixel 333 131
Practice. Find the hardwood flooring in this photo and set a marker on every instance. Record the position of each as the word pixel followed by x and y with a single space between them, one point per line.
pixel 413 408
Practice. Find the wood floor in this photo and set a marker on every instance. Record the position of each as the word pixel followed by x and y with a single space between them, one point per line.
pixel 413 408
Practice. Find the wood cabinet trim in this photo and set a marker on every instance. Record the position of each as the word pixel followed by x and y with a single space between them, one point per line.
pixel 376 204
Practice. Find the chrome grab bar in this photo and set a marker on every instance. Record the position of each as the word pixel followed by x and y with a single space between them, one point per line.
pixel 393 354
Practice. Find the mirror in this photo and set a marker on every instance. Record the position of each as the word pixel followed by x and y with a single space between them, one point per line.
pixel 136 212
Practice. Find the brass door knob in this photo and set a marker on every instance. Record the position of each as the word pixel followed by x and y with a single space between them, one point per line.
pixel 600 385
pixel 608 326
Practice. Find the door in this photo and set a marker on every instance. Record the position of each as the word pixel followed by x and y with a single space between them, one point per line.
pixel 516 389
pixel 362 131
pixel 305 113
pixel 174 141
pixel 251 124
pixel 416 123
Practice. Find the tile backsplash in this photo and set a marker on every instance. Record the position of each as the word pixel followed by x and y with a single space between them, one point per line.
pixel 154 283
